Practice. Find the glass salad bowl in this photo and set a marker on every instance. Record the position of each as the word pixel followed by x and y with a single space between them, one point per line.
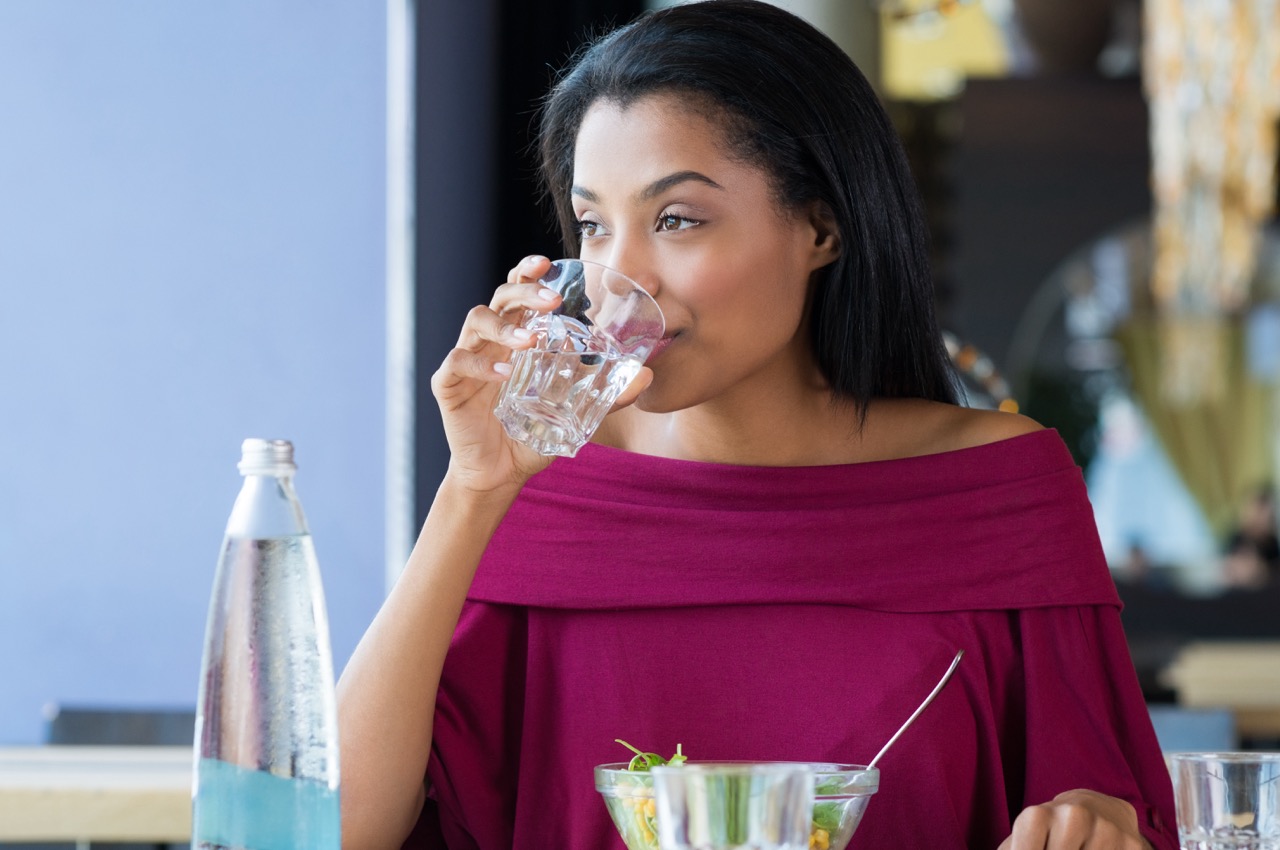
pixel 841 794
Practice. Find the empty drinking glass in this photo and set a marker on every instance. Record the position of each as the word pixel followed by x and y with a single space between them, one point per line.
pixel 734 806
pixel 1227 800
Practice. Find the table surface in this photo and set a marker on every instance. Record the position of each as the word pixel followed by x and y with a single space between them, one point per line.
pixel 1243 676
pixel 66 793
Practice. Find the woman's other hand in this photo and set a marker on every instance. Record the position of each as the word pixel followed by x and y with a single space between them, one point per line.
pixel 1077 820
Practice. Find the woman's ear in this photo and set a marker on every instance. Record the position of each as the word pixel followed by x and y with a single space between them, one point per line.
pixel 826 234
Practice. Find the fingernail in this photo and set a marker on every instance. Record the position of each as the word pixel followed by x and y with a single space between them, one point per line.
pixel 522 334
pixel 548 294
pixel 502 368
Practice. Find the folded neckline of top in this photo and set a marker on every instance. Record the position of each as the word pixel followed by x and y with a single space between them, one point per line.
pixel 1030 441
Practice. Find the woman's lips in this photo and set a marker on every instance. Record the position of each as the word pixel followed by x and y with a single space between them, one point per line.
pixel 660 347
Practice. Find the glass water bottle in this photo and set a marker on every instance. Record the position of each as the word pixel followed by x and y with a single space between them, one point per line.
pixel 266 724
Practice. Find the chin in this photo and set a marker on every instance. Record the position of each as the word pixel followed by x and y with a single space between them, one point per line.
pixel 658 398
pixel 647 402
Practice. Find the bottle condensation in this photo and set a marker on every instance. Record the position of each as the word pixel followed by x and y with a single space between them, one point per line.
pixel 266 722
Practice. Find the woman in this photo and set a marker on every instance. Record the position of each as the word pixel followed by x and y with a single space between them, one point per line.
pixel 775 550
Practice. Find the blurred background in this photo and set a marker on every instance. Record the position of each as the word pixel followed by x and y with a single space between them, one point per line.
pixel 268 219
pixel 192 252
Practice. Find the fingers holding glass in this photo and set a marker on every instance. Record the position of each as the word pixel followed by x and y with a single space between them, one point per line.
pixel 529 269
pixel 638 384
pixel 494 334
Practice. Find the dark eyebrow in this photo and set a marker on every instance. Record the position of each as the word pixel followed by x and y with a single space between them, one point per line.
pixel 657 187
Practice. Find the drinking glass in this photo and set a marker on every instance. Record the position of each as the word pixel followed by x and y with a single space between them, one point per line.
pixel 1227 800
pixel 734 806
pixel 585 354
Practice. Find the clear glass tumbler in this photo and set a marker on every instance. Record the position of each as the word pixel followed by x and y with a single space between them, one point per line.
pixel 1227 800
pixel 734 806
pixel 585 354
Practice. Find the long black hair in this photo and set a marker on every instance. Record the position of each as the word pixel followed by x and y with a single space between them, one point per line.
pixel 796 106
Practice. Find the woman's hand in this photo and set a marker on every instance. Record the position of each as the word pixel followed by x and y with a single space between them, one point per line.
pixel 1077 820
pixel 482 456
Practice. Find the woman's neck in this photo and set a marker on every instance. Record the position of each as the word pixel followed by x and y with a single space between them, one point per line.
pixel 808 430
pixel 801 427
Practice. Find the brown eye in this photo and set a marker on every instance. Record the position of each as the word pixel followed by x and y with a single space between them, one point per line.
pixel 674 222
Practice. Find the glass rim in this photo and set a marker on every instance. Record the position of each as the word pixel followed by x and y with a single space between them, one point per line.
pixel 611 270
pixel 1238 756
pixel 819 768
pixel 832 780
pixel 731 768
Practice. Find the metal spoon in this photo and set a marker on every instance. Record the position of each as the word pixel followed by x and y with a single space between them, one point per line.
pixel 937 689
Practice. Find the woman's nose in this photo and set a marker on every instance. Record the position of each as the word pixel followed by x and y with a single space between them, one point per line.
pixel 635 264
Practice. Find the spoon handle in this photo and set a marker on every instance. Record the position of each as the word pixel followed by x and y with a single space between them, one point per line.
pixel 946 677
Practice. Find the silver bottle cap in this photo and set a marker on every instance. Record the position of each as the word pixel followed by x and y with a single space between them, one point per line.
pixel 266 457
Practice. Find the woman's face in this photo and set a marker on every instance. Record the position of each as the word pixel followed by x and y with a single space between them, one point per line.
pixel 660 198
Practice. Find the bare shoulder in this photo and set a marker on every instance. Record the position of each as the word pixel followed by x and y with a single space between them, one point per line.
pixel 912 427
pixel 969 427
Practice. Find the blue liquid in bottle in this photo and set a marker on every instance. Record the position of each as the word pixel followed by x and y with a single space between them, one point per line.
pixel 259 810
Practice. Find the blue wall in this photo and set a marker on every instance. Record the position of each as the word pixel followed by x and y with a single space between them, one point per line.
pixel 191 252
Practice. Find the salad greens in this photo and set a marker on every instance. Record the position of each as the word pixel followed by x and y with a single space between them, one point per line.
pixel 643 761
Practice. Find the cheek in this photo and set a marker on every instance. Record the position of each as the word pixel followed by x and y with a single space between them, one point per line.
pixel 751 282
pixel 767 295
pixel 745 286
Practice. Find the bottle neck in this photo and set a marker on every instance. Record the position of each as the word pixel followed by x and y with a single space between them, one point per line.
pixel 267 507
